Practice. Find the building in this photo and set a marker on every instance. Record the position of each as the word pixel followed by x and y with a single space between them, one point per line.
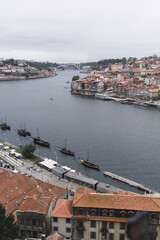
pixel 30 200
pixel 33 216
pixel 62 218
pixel 105 216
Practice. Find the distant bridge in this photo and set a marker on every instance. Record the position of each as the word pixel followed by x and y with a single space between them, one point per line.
pixel 71 66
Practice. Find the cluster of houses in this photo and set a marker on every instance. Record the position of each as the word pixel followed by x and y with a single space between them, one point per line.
pixel 138 80
pixel 22 70
pixel 45 211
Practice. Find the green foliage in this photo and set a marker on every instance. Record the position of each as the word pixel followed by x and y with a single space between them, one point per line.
pixel 42 65
pixel 28 150
pixel 75 78
pixel 8 228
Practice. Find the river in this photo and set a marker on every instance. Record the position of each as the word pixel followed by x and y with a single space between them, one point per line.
pixel 123 139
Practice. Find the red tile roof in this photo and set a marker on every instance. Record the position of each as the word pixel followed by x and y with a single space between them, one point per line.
pixel 116 201
pixel 36 204
pixel 63 209
pixel 15 187
pixel 55 236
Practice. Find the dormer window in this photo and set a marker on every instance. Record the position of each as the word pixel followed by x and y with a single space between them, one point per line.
pixel 123 214
pixel 93 212
pixel 130 214
pixel 111 213
pixel 81 211
pixel 104 212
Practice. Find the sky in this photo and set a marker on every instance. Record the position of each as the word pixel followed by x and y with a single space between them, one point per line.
pixel 66 31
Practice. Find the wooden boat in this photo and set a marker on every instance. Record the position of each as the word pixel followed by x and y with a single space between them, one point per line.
pixel 4 125
pixel 89 164
pixel 41 142
pixel 23 132
pixel 65 150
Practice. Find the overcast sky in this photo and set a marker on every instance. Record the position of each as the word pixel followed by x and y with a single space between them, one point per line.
pixel 79 30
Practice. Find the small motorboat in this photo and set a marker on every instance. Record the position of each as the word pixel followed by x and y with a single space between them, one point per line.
pixel 52 98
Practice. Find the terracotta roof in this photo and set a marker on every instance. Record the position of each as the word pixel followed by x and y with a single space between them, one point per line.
pixel 63 209
pixel 113 201
pixel 36 204
pixel 55 236
pixel 15 187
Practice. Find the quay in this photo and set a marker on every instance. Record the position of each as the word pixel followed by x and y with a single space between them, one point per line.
pixel 127 181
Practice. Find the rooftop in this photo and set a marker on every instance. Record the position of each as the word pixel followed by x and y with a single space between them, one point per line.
pixel 15 187
pixel 63 209
pixel 116 201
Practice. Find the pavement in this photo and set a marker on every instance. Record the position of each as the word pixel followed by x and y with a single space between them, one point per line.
pixel 26 167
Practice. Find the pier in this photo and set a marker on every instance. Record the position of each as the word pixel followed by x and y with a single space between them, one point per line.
pixel 127 181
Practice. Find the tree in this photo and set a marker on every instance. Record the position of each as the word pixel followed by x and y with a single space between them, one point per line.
pixel 28 150
pixel 75 78
pixel 8 228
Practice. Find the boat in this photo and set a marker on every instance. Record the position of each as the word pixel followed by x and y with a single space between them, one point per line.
pixel 41 142
pixel 4 125
pixel 101 96
pixel 52 98
pixel 89 164
pixel 68 82
pixel 23 132
pixel 65 150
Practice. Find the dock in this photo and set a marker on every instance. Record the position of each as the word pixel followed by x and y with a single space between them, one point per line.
pixel 127 181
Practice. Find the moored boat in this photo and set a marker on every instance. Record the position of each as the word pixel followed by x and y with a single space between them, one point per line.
pixel 23 132
pixel 65 150
pixel 41 142
pixel 89 164
pixel 4 125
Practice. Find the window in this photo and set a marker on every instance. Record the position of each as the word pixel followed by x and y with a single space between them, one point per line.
pixel 80 224
pixel 28 222
pixel 104 212
pixel 55 229
pixel 104 224
pixel 104 235
pixel 111 225
pixel 122 225
pixel 40 223
pixel 111 213
pixel 68 220
pixel 92 235
pixel 111 236
pixel 93 224
pixel 81 211
pixel 55 219
pixel 22 221
pixel 34 222
pixel 130 214
pixel 121 237
pixel 93 212
pixel 68 230
pixel 123 213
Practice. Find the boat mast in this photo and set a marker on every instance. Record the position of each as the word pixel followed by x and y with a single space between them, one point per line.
pixel 65 144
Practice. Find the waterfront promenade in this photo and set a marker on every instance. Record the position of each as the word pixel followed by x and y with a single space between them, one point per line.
pixel 27 167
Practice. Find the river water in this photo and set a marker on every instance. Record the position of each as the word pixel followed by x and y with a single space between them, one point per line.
pixel 123 139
